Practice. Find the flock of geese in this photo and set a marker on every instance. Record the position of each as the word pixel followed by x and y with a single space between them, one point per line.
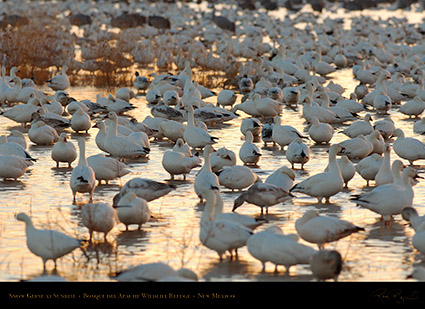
pixel 389 80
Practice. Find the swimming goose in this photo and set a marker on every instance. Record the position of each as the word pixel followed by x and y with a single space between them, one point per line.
pixel 249 153
pixel 83 179
pixel 326 264
pixel 194 136
pixel 389 199
pixel 179 163
pixel 359 127
pixel 263 195
pixel 132 209
pixel 298 152
pixel 218 234
pixel 120 146
pixel 408 148
pixel 59 82
pixel 413 107
pixel 206 178
pixel 283 135
pixel 63 151
pixel 283 177
pixel 320 132
pixel 146 189
pixel 12 166
pixel 141 83
pixel 237 177
pixel 325 184
pixel 384 174
pixel 99 217
pixel 320 230
pixel 10 148
pixel 47 244
pixel 369 166
pixel 42 134
pixel 107 168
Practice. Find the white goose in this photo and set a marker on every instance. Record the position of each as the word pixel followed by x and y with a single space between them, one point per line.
pixel 22 113
pixel 419 126
pixel 283 135
pixel 320 230
pixel 237 177
pixel 408 148
pixel 42 134
pixel 12 166
pixel 283 177
pixel 226 97
pixel 120 146
pixel 59 82
pixel 10 148
pixel 80 121
pixel 63 151
pixel 18 137
pixel 320 132
pixel 368 167
pixel 83 179
pixel 357 148
pixel 132 209
pixel 323 114
pixel 194 136
pixel 251 124
pixel 413 107
pixel 47 244
pixel 348 170
pixel 263 195
pixel 107 168
pixel 298 152
pixel 99 217
pixel 218 234
pixel 326 264
pixel 385 126
pixel 325 184
pixel 249 153
pixel 389 199
pixel 179 163
pixel 359 127
pixel 384 174
pixel 222 157
pixel 411 215
pixel 146 189
pixel 206 180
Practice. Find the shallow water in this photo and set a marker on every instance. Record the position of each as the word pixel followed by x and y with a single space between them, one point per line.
pixel 378 254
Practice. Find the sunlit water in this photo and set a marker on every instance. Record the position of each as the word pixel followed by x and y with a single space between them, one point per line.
pixel 377 254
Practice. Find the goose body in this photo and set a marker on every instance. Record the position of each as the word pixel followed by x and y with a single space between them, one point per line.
pixel 60 81
pixel 320 132
pixel 348 170
pixel 157 271
pixel 414 107
pixel 221 158
pixel 359 127
pixel 298 152
pixel 12 166
pixel 132 209
pixel 408 148
pixel 226 97
pixel 194 136
pixel 283 135
pixel 326 264
pixel 47 244
pixel 10 148
pixel 179 163
pixel 255 242
pixel 80 121
pixel 107 168
pixel 237 177
pixel 369 166
pixel 63 151
pixel 283 177
pixel 206 179
pixel 249 153
pixel 321 230
pixel 83 178
pixel 99 217
pixel 42 134
pixel 22 113
pixel 357 148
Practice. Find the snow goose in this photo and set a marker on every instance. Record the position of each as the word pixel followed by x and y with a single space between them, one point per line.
pixel 348 170
pixel 251 124
pixel 351 104
pixel 320 132
pixel 275 93
pixel 218 234
pixel 161 110
pixel 248 107
pixel 153 96
pixel 298 152
pixel 22 113
pixel 413 107
pixel 63 151
pixel 125 94
pixel 170 129
pixel 291 95
pixel 120 146
pixel 385 126
pixel 389 199
pixel 60 81
pixel 226 97
pixel 99 217
pixel 263 195
pixel 283 177
pixel 359 127
pixel 47 244
pixel 146 189
pixel 10 148
pixel 80 121
pixel 82 178
pixel 53 120
pixel 18 137
pixel 266 106
pixel 101 135
pixel 408 148
pixel 341 113
pixel 357 148
pixel 320 230
pixel 384 174
pixel 377 141
pixel 326 264
pixel 171 97
pixel 267 133
pixel 361 90
pixel 194 136
pixel 206 178
pixel 179 163
pixel 132 209
pixel 325 184
pixel 237 177
pixel 12 166
pixel 419 126
pixel 107 168
pixel 141 83
pixel 283 135
pixel 142 139
pixel 117 105
pixel 382 103
pixel 368 167
pixel 246 85
pixel 411 215
pixel 323 114
pixel 222 157
pixel 249 153
pixel 42 134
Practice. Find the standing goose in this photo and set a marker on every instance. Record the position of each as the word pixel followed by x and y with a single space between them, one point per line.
pixel 83 178
pixel 80 121
pixel 298 152
pixel 22 113
pixel 59 82
pixel 107 168
pixel 320 132
pixel 249 153
pixel 47 244
pixel 282 177
pixel 283 135
pixel 99 217
pixel 63 151
pixel 384 174
pixel 237 177
pixel 325 184
pixel 179 163
pixel 194 136
pixel 348 170
pixel 132 209
pixel 408 148
pixel 389 199
pixel 321 230
pixel 206 179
